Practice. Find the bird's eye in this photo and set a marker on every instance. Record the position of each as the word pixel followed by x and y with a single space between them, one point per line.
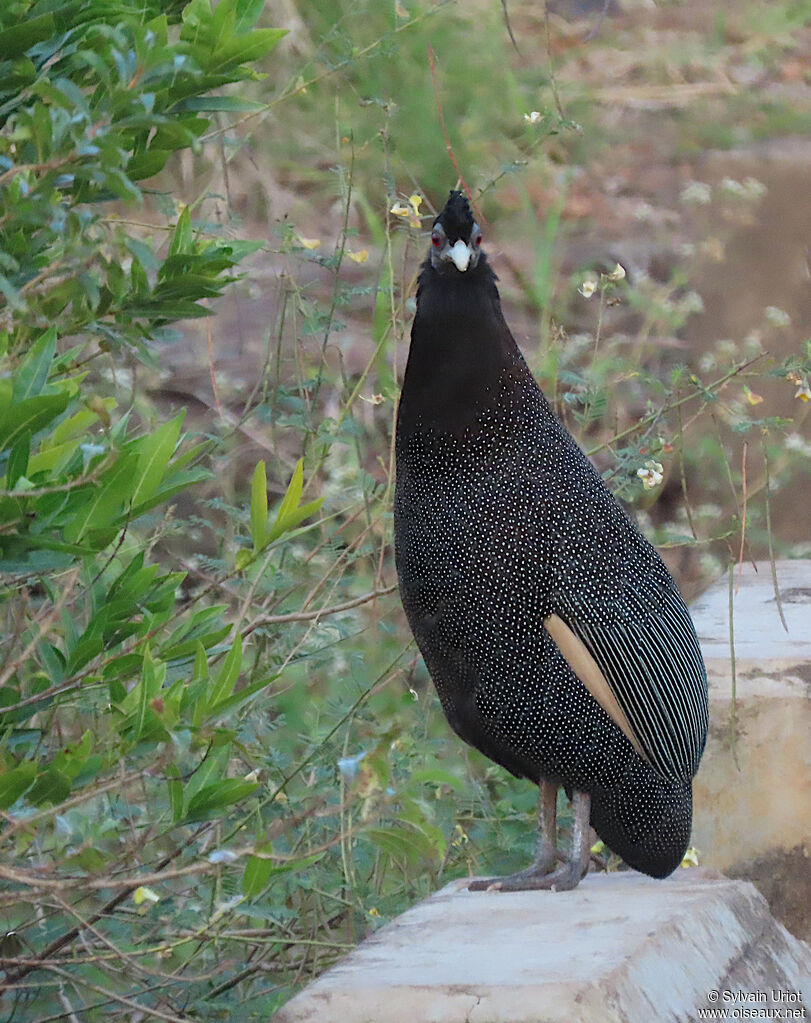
pixel 436 239
pixel 478 240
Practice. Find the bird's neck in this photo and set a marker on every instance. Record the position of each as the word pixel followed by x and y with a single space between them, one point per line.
pixel 461 352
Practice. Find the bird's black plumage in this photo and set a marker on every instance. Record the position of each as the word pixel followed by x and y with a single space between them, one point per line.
pixel 501 522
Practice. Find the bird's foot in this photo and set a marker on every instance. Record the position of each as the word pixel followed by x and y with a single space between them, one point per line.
pixel 566 877
pixel 542 875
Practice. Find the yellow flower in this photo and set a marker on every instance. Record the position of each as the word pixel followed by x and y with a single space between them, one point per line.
pixel 690 857
pixel 410 211
pixel 143 894
pixel 751 397
pixel 374 911
pixel 360 256
pixel 803 392
pixel 308 243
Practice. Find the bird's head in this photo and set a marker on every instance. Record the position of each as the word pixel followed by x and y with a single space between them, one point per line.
pixel 455 237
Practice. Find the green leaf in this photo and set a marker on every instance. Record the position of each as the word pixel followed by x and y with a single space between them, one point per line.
pixel 256 875
pixel 224 685
pixel 182 237
pixel 227 104
pixel 18 461
pixel 284 524
pixel 96 509
pixel 247 13
pixel 154 452
pixel 30 377
pixel 147 688
pixel 52 786
pixel 259 507
pixel 401 843
pixel 18 39
pixel 212 799
pixel 290 513
pixel 200 664
pixel 16 782
pixel 293 496
pixel 173 484
pixel 28 416
pixel 147 164
pixel 213 766
pixel 241 695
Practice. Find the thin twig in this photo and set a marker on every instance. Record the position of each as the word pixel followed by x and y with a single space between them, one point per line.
pixel 552 81
pixel 743 516
pixel 683 476
pixel 69 936
pixel 766 494
pixel 509 26
pixel 146 1010
pixel 43 627
pixel 448 145
pixel 654 416
pixel 309 616
pixel 60 488
pixel 303 87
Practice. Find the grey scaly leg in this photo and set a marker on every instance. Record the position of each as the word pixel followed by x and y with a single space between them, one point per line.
pixel 541 876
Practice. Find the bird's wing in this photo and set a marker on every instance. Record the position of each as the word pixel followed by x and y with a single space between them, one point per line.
pixel 646 672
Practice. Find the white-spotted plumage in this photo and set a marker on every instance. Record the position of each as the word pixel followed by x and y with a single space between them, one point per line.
pixel 500 522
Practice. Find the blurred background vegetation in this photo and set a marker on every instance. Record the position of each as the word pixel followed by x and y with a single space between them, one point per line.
pixel 221 760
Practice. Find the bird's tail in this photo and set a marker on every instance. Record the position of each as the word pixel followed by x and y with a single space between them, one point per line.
pixel 645 819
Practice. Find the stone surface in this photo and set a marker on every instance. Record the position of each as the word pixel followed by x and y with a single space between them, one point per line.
pixel 620 948
pixel 752 795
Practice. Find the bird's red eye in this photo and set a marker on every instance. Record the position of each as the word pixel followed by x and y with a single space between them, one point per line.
pixel 436 240
pixel 477 240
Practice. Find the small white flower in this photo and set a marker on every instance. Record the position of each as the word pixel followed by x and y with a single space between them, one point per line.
pixel 707 362
pixel 778 317
pixel 754 188
pixel 533 117
pixel 698 192
pixel 733 187
pixel 588 287
pixel 651 474
pixel 222 856
pixel 617 274
pixel 692 302
pixel 643 212
pixel 350 766
pixel 794 442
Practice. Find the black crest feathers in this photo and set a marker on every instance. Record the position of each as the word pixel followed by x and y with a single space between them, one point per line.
pixel 456 217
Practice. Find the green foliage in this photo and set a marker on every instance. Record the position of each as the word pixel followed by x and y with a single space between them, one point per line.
pixel 221 764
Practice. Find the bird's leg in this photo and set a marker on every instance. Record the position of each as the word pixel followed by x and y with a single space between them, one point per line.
pixel 538 876
pixel 546 854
